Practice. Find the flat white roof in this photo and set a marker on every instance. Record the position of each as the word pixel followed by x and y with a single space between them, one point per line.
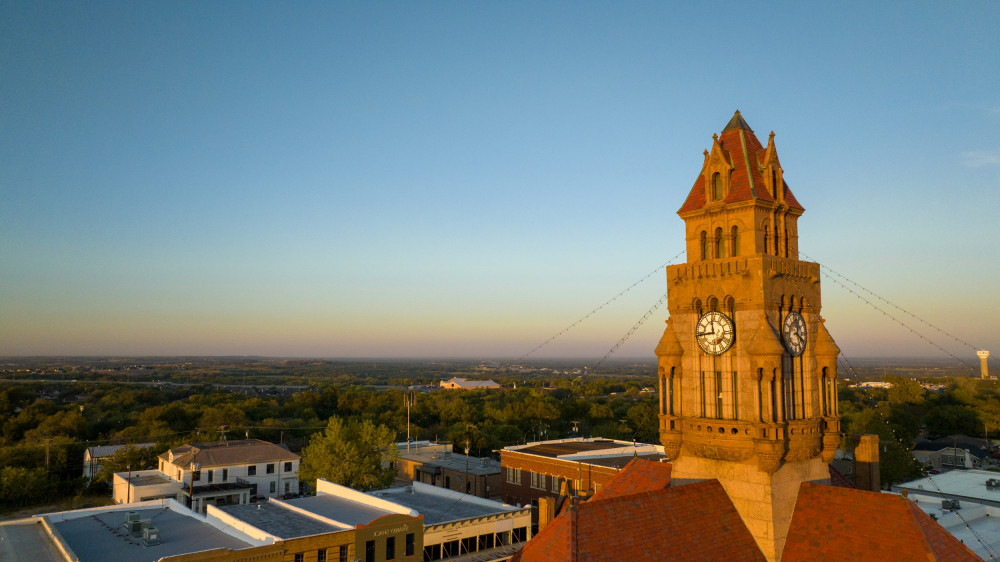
pixel 969 485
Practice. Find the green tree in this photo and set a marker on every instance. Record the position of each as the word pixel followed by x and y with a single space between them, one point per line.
pixel 353 453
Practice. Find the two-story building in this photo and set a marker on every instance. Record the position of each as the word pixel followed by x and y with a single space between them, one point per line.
pixel 217 473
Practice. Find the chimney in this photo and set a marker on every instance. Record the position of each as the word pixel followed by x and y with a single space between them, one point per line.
pixel 866 475
pixel 546 511
pixel 984 372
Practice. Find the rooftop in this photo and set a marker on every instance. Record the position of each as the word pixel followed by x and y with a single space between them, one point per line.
pixel 439 505
pixel 453 461
pixel 969 485
pixel 225 453
pixel 604 452
pixel 275 519
pixel 98 535
pixel 343 510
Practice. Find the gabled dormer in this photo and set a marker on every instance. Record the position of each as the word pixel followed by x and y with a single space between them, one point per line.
pixel 716 173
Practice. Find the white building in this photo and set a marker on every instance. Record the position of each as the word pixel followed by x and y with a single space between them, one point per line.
pixel 218 473
pixel 965 502
pixel 94 456
pixel 464 384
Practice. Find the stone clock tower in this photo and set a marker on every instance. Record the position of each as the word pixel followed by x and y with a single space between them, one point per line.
pixel 747 371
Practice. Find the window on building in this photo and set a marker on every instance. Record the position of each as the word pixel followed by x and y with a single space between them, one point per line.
pixel 196 475
pixel 485 542
pixel 716 186
pixel 343 553
pixel 534 480
pixel 555 485
pixel 447 482
pixel 411 544
pixel 225 474
pixel 720 244
pixel 514 475
pixel 735 235
pixel 370 551
pixel 274 487
pixel 211 476
pixel 704 245
pixel 718 395
pixel 252 470
pixel 270 468
pixel 774 184
pixel 502 539
pixel 321 555
pixel 300 557
pixel 390 548
pixel 288 466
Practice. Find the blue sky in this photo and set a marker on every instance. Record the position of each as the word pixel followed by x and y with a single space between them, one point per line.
pixel 466 179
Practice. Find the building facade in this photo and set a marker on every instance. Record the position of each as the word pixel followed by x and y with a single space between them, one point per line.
pixel 216 473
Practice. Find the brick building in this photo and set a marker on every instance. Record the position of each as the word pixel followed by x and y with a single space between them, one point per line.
pixel 435 464
pixel 566 467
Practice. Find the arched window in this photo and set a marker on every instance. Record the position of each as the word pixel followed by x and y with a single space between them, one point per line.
pixel 777 243
pixel 730 306
pixel 764 227
pixel 786 242
pixel 774 184
pixel 716 187
pixel 720 245
pixel 713 304
pixel 736 241
pixel 704 245
pixel 697 307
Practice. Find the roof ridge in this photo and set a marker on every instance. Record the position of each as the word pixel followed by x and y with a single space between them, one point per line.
pixel 916 521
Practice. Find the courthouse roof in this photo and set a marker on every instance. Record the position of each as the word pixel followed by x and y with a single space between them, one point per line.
pixel 746 155
pixel 646 523
pixel 842 524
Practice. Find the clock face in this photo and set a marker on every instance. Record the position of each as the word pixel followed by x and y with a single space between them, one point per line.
pixel 715 333
pixel 793 331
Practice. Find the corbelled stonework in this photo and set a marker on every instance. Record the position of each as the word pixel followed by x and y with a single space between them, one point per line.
pixel 760 416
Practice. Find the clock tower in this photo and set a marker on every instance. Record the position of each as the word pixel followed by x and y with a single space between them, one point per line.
pixel 747 371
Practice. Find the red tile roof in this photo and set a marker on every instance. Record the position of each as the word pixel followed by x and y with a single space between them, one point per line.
pixel 740 147
pixel 637 476
pixel 833 523
pixel 684 523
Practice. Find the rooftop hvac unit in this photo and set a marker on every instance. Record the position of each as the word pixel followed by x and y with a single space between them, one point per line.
pixel 950 505
pixel 150 536
pixel 992 483
pixel 132 516
pixel 133 528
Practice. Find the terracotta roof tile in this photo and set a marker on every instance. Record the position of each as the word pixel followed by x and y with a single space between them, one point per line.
pixel 629 521
pixel 741 147
pixel 637 476
pixel 833 523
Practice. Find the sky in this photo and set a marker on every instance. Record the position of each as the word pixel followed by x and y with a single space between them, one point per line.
pixel 468 179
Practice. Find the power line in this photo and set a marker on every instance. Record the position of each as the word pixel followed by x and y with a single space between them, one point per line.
pixel 594 311
pixel 635 327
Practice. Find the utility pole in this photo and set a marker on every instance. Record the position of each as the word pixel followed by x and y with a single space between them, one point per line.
pixel 48 441
pixel 194 467
pixel 408 399
pixel 468 445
